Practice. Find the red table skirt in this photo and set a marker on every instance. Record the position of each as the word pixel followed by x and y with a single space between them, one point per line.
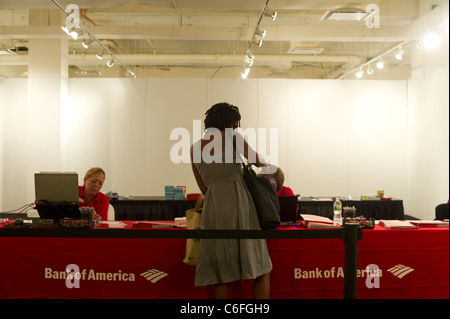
pixel 411 263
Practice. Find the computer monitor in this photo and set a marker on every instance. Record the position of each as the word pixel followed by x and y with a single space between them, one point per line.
pixel 55 187
pixel 56 195
pixel 288 209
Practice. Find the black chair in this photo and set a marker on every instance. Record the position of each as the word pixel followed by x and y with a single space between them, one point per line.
pixel 442 211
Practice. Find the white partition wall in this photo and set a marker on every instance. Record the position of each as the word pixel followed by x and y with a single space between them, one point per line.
pixel 171 104
pixel 2 116
pixel 14 154
pixel 428 140
pixel 348 138
pixel 334 137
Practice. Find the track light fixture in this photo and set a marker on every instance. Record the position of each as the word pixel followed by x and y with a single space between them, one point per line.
pixel 258 43
pixel 399 54
pixel 428 39
pixel 380 64
pixel 359 74
pixel 86 43
pixel 260 33
pixel 72 32
pixel 244 73
pixel 270 14
pixel 249 58
pixel 100 54
pixel 420 44
pixel 74 28
pixel 369 70
pixel 66 29
pixel 110 62
pixel 256 39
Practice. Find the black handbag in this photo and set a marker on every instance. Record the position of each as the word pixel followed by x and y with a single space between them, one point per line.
pixel 264 197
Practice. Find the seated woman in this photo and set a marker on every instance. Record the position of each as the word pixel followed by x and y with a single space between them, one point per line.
pixel 90 195
pixel 277 180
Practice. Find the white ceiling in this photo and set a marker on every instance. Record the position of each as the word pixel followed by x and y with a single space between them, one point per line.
pixel 210 38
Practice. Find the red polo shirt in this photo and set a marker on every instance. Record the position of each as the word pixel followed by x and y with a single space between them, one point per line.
pixel 100 203
pixel 285 191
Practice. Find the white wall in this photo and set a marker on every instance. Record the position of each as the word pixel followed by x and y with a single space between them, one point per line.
pixel 335 137
pixel 428 140
pixel 124 126
pixel 2 102
pixel 348 137
pixel 14 155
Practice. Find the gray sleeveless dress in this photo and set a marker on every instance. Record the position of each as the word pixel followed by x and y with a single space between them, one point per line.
pixel 228 205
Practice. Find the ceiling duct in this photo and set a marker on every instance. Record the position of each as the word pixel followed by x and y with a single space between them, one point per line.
pixel 350 14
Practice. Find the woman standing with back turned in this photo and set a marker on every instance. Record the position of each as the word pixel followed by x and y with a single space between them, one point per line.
pixel 227 205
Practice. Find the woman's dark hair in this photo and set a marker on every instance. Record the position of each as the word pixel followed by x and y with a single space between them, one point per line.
pixel 222 116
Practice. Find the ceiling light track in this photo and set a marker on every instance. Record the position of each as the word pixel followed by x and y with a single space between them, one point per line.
pixel 397 50
pixel 256 39
pixel 104 49
pixel 379 61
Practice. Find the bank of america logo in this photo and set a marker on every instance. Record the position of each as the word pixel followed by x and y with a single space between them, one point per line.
pixel 153 275
pixel 400 271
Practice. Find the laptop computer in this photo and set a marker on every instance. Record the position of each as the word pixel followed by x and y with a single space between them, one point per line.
pixel 288 209
pixel 56 195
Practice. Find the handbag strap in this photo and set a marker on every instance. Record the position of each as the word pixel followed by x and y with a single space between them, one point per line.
pixel 240 155
pixel 198 203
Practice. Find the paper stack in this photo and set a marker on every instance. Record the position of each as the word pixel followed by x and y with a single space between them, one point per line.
pixel 429 223
pixel 397 224
pixel 153 224
pixel 318 222
pixel 180 222
pixel 113 224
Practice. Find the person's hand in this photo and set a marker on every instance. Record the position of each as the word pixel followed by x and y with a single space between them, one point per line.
pixel 261 162
pixel 96 216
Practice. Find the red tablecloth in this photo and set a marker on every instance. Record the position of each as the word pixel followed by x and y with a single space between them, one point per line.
pixel 412 263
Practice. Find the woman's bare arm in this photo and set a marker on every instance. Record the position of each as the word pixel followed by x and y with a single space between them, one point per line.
pixel 249 153
pixel 197 176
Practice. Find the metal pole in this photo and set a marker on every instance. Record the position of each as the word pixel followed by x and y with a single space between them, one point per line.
pixel 351 237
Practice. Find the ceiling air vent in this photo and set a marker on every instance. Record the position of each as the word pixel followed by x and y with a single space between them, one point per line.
pixel 304 48
pixel 7 52
pixel 346 15
pixel 13 51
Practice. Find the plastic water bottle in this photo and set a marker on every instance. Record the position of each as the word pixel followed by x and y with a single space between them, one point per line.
pixel 337 210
